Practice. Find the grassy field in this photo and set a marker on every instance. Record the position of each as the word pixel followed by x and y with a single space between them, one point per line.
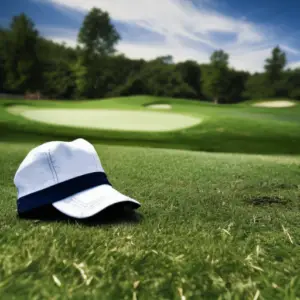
pixel 211 226
pixel 225 128
pixel 108 119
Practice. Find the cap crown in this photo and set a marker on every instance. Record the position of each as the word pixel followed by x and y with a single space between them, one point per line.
pixel 55 162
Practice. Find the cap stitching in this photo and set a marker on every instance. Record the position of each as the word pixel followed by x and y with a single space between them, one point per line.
pixel 52 165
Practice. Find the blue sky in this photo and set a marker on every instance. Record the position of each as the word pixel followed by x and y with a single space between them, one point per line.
pixel 186 29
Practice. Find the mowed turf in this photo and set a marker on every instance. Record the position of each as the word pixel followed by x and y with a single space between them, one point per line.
pixel 211 226
pixel 108 118
pixel 223 128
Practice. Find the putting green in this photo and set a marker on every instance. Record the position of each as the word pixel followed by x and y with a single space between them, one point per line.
pixel 108 119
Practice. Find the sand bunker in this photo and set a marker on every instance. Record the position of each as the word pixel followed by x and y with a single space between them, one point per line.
pixel 160 106
pixel 284 103
pixel 108 119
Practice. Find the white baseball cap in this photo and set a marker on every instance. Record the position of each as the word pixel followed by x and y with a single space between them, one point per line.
pixel 68 175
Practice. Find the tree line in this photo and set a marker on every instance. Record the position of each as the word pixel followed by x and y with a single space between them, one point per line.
pixel 93 70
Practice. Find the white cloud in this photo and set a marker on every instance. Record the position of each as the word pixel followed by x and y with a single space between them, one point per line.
pixel 179 22
pixel 294 65
pixel 290 49
pixel 69 42
pixel 60 35
pixel 153 51
pixel 251 61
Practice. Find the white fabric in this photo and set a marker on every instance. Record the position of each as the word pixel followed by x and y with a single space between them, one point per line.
pixel 55 162
pixel 90 202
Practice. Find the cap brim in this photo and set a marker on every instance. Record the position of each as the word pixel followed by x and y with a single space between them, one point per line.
pixel 92 201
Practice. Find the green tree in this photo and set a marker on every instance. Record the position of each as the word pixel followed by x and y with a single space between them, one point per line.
pixel 59 81
pixel 2 75
pixel 2 59
pixel 258 86
pixel 292 83
pixel 49 51
pixel 167 59
pixel 135 85
pixel 85 78
pixel 97 39
pixel 216 77
pixel 97 34
pixel 158 79
pixel 236 86
pixel 57 62
pixel 22 66
pixel 219 59
pixel 274 69
pixel 164 80
pixel 191 74
pixel 115 72
pixel 274 65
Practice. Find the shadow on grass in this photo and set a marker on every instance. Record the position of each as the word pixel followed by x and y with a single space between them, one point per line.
pixel 113 215
pixel 213 141
pixel 266 200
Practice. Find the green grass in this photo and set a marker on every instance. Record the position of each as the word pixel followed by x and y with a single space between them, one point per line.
pixel 109 119
pixel 225 128
pixel 211 225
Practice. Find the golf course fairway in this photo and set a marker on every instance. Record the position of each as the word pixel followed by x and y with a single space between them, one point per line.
pixel 190 125
pixel 219 222
pixel 213 225
pixel 109 119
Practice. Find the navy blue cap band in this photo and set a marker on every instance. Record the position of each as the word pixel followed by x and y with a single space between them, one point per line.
pixel 61 191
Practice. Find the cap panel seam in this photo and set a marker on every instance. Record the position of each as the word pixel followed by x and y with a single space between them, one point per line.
pixel 49 164
pixel 52 166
